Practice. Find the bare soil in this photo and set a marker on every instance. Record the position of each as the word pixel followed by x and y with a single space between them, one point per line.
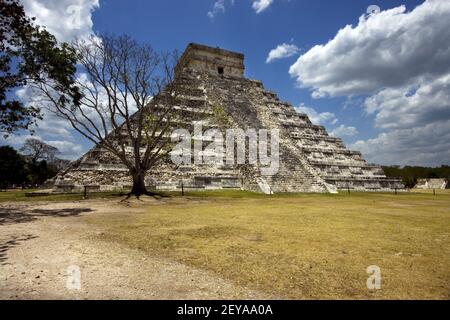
pixel 40 241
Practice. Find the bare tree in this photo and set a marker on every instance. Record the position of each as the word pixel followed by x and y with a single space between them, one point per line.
pixel 128 101
pixel 36 150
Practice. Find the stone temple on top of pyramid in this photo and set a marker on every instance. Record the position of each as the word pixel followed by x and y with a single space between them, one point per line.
pixel 210 79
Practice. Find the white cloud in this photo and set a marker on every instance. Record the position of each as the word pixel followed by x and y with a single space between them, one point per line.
pixel 51 126
pixel 65 19
pixel 426 145
pixel 417 124
pixel 389 49
pixel 344 131
pixel 261 5
pixel 398 62
pixel 57 131
pixel 316 117
pixel 51 129
pixel 218 7
pixel 69 150
pixel 407 107
pixel 284 50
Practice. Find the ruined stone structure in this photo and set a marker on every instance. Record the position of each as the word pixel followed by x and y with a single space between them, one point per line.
pixel 215 91
pixel 431 184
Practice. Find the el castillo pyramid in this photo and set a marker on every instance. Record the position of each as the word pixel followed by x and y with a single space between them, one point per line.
pixel 212 81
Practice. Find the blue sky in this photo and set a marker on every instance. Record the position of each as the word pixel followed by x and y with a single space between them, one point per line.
pixel 172 24
pixel 356 85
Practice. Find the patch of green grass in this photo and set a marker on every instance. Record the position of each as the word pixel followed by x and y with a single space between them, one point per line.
pixel 300 245
pixel 20 195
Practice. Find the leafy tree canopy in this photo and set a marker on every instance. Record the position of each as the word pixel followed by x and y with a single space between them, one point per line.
pixel 37 165
pixel 12 166
pixel 29 53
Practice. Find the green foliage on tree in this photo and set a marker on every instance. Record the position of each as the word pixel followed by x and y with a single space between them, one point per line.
pixel 12 167
pixel 38 164
pixel 41 159
pixel 29 53
pixel 39 172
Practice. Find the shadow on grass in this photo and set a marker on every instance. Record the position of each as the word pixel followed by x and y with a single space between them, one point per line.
pixel 10 215
pixel 22 196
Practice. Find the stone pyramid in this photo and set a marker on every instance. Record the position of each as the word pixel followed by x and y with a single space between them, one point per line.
pixel 213 85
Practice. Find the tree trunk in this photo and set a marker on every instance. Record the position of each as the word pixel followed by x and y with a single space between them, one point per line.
pixel 139 188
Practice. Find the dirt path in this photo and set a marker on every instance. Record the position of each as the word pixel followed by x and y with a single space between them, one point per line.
pixel 39 242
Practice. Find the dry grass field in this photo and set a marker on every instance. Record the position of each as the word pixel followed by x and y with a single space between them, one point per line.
pixel 295 246
pixel 301 246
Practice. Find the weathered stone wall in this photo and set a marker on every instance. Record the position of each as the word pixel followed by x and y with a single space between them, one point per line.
pixel 310 159
pixel 431 184
pixel 209 60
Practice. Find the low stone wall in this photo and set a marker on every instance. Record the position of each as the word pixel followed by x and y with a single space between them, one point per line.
pixel 119 180
pixel 432 184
